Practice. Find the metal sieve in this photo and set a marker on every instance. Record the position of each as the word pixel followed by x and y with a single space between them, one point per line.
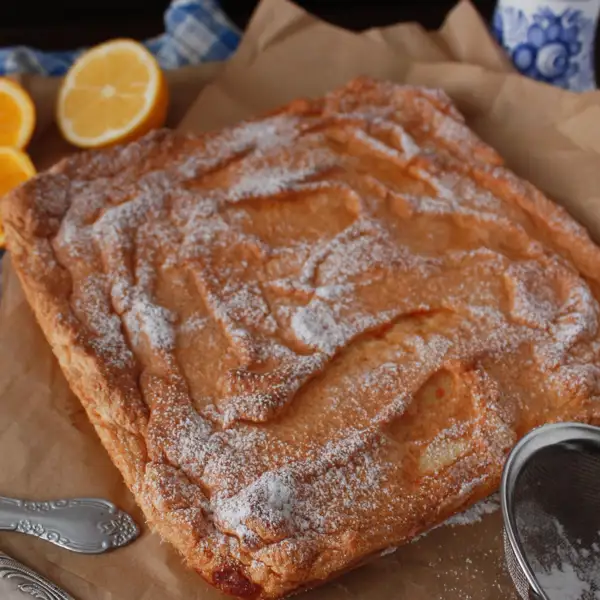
pixel 550 496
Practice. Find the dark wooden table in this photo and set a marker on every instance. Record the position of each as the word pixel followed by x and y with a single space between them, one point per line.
pixel 64 24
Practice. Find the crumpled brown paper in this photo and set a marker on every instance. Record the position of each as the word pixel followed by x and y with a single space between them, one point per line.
pixel 47 446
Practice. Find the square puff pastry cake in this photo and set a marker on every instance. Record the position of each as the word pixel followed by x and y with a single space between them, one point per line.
pixel 310 337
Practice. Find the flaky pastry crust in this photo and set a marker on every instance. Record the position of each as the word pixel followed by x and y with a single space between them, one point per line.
pixel 310 337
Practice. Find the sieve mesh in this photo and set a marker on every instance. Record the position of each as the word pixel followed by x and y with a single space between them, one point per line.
pixel 556 522
pixel 515 570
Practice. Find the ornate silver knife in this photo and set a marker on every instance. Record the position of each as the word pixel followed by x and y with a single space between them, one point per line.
pixel 86 525
pixel 29 582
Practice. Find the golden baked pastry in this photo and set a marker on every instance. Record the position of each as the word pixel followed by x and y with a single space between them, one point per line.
pixel 308 338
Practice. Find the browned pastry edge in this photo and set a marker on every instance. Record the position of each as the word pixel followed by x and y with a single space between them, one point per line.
pixel 121 421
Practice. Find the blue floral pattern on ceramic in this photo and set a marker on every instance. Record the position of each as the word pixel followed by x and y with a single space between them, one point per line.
pixel 551 46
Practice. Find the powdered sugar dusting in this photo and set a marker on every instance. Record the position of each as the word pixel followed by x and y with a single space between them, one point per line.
pixel 286 500
pixel 258 136
pixel 340 317
pixel 193 324
pixel 270 180
pixel 317 325
pixel 107 336
pixel 153 321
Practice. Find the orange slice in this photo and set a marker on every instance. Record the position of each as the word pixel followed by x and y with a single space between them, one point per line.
pixel 114 92
pixel 15 168
pixel 17 114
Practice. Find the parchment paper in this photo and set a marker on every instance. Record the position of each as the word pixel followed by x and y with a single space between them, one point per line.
pixel 47 447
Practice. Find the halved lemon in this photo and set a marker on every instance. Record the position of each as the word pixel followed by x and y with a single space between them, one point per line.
pixel 115 92
pixel 17 114
pixel 15 168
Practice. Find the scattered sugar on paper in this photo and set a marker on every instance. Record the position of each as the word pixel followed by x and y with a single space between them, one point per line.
pixel 476 512
pixel 472 515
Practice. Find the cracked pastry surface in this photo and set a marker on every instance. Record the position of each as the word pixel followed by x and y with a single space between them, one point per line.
pixel 312 336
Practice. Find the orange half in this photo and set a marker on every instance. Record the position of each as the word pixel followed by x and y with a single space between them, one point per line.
pixel 15 168
pixel 17 114
pixel 114 92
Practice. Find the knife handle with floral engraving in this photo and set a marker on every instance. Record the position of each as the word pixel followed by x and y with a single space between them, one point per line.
pixel 29 582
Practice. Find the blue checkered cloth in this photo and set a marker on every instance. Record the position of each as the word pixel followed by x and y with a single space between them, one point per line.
pixel 195 31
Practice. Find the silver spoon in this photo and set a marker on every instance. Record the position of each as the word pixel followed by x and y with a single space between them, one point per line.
pixel 85 525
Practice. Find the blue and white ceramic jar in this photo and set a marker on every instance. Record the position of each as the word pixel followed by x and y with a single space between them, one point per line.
pixel 550 40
